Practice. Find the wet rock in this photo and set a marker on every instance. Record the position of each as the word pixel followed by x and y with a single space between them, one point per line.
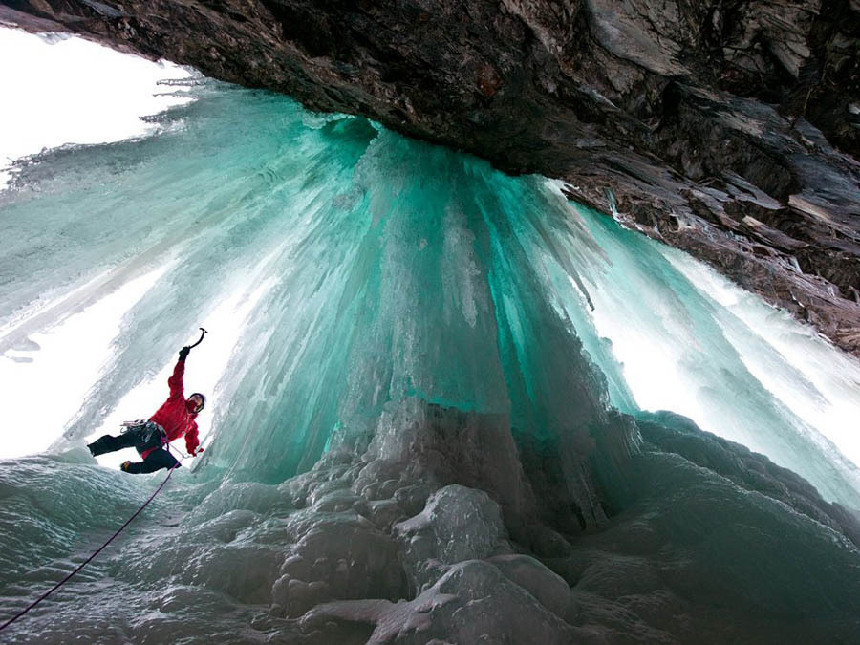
pixel 340 556
pixel 412 498
pixel 547 587
pixel 458 524
pixel 472 603
pixel 546 542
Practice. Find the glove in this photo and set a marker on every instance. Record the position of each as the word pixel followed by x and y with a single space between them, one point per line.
pixel 183 353
pixel 124 466
pixel 197 452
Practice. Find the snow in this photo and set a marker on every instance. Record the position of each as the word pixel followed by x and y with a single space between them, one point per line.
pixel 66 90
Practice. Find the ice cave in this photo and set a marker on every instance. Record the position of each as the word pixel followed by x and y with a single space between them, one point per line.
pixel 445 404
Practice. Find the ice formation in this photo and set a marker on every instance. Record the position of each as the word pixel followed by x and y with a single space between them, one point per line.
pixel 419 433
pixel 74 92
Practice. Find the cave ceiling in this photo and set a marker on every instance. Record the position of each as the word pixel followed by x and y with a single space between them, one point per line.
pixel 729 129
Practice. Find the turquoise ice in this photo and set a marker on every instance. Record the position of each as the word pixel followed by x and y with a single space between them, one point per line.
pixel 370 282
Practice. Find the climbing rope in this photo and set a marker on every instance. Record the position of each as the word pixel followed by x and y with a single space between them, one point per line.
pixel 91 558
pixel 182 456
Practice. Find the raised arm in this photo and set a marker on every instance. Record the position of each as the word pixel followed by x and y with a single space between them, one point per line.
pixel 175 381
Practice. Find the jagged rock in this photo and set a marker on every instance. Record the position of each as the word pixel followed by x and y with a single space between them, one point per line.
pixel 728 130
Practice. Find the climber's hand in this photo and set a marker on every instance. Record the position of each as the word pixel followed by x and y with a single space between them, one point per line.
pixel 183 353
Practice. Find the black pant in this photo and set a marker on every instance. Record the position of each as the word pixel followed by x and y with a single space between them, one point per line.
pixel 143 437
pixel 155 460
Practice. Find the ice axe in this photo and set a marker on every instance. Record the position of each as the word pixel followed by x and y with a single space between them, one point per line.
pixel 199 341
pixel 188 348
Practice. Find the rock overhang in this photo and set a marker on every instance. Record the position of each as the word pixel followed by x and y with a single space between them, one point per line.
pixel 725 131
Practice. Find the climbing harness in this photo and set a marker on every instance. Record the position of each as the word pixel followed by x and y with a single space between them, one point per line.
pixel 89 559
pixel 147 433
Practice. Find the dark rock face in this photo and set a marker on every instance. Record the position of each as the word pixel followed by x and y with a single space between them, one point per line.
pixel 728 129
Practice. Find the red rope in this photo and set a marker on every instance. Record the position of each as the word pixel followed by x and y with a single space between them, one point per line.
pixel 91 558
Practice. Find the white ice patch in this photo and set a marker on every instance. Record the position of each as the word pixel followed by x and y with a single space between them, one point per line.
pixel 684 338
pixel 816 381
pixel 45 378
pixel 65 90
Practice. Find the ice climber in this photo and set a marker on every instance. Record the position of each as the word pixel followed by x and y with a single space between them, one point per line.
pixel 174 419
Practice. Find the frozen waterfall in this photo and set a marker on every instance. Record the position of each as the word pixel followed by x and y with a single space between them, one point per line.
pixel 444 403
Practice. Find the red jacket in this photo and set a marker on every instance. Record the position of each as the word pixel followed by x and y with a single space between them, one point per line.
pixel 176 415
